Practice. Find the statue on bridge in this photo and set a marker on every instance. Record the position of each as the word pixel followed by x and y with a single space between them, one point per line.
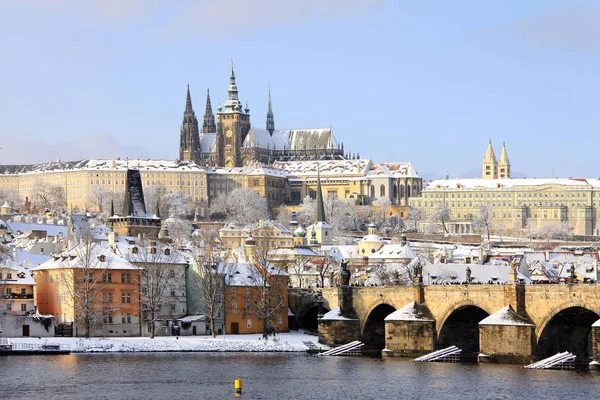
pixel 468 273
pixel 345 274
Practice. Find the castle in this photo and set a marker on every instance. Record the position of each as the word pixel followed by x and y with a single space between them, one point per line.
pixel 232 142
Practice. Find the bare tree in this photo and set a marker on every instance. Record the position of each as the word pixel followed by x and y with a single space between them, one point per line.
pixel 160 280
pixel 271 287
pixel 83 281
pixel 209 280
pixel 325 265
pixel 99 198
pixel 241 206
pixel 484 219
pixel 297 267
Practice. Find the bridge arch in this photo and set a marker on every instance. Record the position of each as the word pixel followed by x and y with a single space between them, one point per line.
pixel 307 317
pixel 373 330
pixel 460 327
pixel 454 307
pixel 568 327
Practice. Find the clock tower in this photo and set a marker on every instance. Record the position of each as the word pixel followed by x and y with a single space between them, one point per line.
pixel 233 124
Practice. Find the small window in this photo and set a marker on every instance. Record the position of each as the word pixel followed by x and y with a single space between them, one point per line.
pixel 248 323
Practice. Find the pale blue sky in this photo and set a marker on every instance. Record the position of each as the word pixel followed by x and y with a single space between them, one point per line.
pixel 423 81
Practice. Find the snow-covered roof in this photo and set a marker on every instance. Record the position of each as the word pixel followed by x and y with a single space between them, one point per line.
pixel 509 183
pixel 505 316
pixel 410 312
pixel 256 169
pixel 333 315
pixel 207 142
pixel 51 230
pixel 479 273
pixel 72 258
pixel 192 318
pixel 326 168
pixel 372 238
pixel 293 139
pixel 20 274
pixel 394 251
pixel 107 165
pixel 124 245
pixel 393 170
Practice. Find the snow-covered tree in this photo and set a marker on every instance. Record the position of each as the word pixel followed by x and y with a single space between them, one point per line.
pixel 484 220
pixel 11 196
pixel 440 215
pixel 306 214
pixel 340 214
pixel 47 196
pixel 241 206
pixel 382 204
pixel 284 216
pixel 413 217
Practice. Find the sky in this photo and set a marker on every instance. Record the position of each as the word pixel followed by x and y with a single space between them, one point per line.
pixel 398 80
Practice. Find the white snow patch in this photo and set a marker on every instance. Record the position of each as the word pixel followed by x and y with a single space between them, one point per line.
pixel 335 314
pixel 505 316
pixel 284 342
pixel 597 323
pixel 409 312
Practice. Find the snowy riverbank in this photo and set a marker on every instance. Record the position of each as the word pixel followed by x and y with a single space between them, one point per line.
pixel 285 342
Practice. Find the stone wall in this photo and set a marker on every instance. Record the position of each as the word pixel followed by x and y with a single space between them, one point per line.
pixel 409 338
pixel 507 343
pixel 338 332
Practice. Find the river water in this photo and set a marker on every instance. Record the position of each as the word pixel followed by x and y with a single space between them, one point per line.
pixel 277 376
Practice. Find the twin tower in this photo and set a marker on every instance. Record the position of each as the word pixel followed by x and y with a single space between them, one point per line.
pixel 492 168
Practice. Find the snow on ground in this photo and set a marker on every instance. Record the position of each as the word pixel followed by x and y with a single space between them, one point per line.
pixel 285 342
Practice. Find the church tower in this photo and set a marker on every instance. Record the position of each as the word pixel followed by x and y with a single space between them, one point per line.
pixel 208 125
pixel 270 119
pixel 189 142
pixel 490 164
pixel 233 124
pixel 504 164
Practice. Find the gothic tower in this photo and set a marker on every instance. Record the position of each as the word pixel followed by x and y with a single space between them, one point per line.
pixel 233 124
pixel 489 166
pixel 504 164
pixel 208 125
pixel 189 142
pixel 270 119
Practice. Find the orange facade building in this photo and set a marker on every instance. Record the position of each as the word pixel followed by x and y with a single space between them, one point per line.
pixel 89 283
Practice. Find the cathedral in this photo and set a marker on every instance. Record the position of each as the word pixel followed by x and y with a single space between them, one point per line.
pixel 230 141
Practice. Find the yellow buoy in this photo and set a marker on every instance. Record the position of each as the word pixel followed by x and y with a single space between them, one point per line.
pixel 237 384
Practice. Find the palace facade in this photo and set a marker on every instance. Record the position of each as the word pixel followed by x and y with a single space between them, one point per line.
pixel 516 204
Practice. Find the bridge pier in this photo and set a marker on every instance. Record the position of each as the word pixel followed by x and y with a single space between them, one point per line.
pixel 340 325
pixel 409 332
pixel 506 337
pixel 596 345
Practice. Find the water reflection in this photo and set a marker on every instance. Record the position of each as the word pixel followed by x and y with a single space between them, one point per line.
pixel 274 376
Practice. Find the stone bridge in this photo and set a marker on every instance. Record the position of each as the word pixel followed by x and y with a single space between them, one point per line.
pixel 503 323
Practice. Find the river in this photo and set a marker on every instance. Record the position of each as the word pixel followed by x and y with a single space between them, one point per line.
pixel 151 376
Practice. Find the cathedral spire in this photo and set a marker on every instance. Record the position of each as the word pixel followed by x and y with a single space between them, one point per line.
pixel 233 102
pixel 504 164
pixel 320 205
pixel 270 119
pixel 208 125
pixel 189 141
pixel 188 101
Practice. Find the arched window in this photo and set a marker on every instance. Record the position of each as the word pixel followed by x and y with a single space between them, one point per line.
pixel 372 191
pixel 382 191
pixel 401 191
pixel 395 191
pixel 407 190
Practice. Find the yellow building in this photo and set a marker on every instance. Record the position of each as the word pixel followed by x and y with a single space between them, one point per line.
pixel 266 233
